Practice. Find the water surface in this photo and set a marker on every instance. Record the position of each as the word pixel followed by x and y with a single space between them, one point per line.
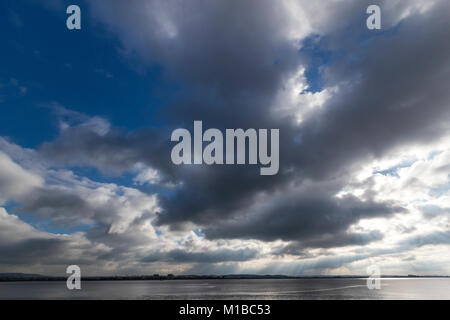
pixel 394 288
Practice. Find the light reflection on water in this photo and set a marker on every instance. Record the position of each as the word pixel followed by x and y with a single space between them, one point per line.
pixel 396 288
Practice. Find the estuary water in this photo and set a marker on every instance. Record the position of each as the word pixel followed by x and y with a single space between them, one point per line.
pixel 285 289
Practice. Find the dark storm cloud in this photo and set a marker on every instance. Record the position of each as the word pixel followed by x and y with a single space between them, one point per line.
pixel 30 251
pixel 432 211
pixel 110 152
pixel 393 92
pixel 222 255
pixel 58 205
pixel 411 258
pixel 314 220
pixel 232 60
pixel 341 239
pixel 67 208
pixel 432 238
pixel 48 251
pixel 205 42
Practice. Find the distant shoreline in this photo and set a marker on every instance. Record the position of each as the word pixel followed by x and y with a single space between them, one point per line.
pixel 29 278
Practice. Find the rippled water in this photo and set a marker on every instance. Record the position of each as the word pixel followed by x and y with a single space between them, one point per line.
pixel 411 288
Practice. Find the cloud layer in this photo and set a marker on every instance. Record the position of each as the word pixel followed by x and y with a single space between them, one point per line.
pixel 363 156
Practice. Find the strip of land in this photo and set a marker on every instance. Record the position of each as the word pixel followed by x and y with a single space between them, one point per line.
pixel 4 277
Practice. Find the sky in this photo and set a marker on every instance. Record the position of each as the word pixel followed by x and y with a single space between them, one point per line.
pixel 86 176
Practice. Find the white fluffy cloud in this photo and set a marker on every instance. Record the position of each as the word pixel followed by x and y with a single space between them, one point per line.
pixel 14 180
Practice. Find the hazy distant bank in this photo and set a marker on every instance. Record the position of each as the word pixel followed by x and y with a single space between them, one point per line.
pixel 4 277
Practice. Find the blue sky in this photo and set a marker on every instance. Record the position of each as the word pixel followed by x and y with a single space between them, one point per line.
pixel 81 70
